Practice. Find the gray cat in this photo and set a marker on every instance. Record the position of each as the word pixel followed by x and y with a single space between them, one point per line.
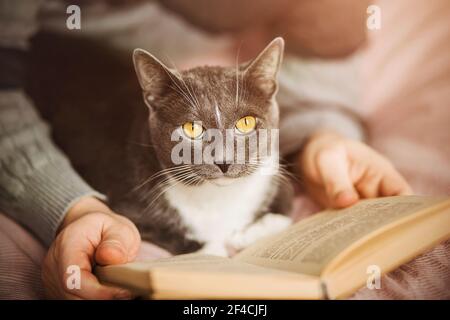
pixel 210 206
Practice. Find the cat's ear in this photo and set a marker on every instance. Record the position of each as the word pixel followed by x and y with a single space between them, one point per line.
pixel 263 70
pixel 154 77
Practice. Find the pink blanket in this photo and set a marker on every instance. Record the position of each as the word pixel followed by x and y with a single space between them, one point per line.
pixel 407 106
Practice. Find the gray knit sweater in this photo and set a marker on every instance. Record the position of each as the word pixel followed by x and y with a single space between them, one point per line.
pixel 37 183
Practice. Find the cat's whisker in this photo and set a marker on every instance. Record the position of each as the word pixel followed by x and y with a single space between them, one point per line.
pixel 180 90
pixel 141 144
pixel 179 180
pixel 181 177
pixel 153 192
pixel 237 75
pixel 172 176
pixel 160 173
pixel 172 173
pixel 193 98
pixel 288 173
pixel 167 170
pixel 192 94
pixel 242 94
pixel 285 176
pixel 192 181
pixel 188 88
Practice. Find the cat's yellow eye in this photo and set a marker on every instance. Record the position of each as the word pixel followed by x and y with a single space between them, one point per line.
pixel 246 124
pixel 193 130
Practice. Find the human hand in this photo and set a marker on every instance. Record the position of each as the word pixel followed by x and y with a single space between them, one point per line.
pixel 339 171
pixel 90 233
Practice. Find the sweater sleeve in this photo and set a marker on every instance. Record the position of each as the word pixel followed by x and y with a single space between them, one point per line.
pixel 299 123
pixel 316 94
pixel 37 183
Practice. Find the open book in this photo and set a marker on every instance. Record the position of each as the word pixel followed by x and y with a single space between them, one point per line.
pixel 328 255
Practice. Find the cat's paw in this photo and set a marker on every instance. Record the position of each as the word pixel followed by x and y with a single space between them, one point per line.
pixel 214 249
pixel 269 224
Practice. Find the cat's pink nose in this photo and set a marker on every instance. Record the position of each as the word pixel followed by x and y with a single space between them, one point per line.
pixel 223 167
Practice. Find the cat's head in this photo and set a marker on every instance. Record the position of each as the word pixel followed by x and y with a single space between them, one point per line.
pixel 204 122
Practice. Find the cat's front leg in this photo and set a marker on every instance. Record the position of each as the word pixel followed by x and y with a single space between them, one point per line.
pixel 214 248
pixel 269 224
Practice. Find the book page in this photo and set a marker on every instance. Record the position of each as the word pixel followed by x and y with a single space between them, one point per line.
pixel 309 245
pixel 203 263
pixel 192 263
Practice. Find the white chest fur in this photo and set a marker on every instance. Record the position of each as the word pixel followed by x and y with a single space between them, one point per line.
pixel 214 212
